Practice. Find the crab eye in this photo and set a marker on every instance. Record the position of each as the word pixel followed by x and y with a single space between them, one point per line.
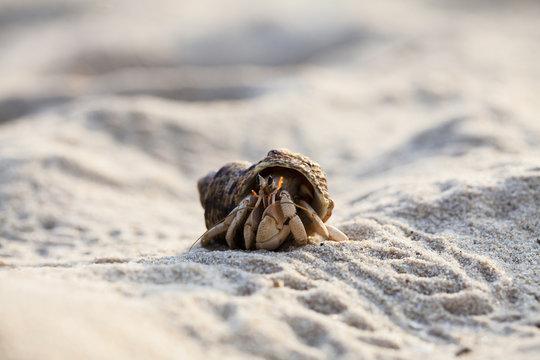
pixel 270 181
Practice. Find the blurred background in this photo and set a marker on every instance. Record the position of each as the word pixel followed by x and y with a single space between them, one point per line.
pixel 422 52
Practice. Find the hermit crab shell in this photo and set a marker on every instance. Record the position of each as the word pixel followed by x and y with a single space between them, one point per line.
pixel 221 191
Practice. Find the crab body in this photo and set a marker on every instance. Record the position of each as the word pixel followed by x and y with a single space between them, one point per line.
pixel 259 206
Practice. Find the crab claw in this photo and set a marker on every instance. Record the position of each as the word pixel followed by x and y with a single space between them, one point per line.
pixel 273 229
pixel 275 241
pixel 271 232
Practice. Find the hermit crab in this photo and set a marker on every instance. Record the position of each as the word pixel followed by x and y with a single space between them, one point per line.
pixel 260 206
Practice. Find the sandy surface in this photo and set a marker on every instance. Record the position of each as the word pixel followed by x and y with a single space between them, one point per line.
pixel 426 119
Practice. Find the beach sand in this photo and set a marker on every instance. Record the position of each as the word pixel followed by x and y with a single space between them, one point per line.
pixel 425 117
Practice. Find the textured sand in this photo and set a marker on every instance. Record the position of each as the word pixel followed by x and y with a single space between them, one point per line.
pixel 426 119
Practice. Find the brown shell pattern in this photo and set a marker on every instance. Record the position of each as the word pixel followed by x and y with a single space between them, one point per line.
pixel 221 191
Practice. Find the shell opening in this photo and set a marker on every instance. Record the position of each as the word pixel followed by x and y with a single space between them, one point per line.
pixel 316 201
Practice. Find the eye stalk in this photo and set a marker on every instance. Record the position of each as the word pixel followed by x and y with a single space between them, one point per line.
pixel 260 181
pixel 268 184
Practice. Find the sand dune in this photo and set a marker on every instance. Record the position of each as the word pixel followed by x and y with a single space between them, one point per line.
pixel 424 117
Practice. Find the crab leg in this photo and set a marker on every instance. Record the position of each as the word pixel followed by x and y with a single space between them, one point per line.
pixel 252 222
pixel 318 224
pixel 224 225
pixel 238 218
pixel 298 230
pixel 213 232
pixel 335 234
pixel 328 231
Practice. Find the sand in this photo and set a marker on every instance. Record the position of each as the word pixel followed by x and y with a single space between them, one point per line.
pixel 425 117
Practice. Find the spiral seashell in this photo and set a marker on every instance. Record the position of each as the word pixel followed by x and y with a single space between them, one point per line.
pixel 221 191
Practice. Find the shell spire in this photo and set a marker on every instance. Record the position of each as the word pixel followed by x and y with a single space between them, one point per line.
pixel 217 191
